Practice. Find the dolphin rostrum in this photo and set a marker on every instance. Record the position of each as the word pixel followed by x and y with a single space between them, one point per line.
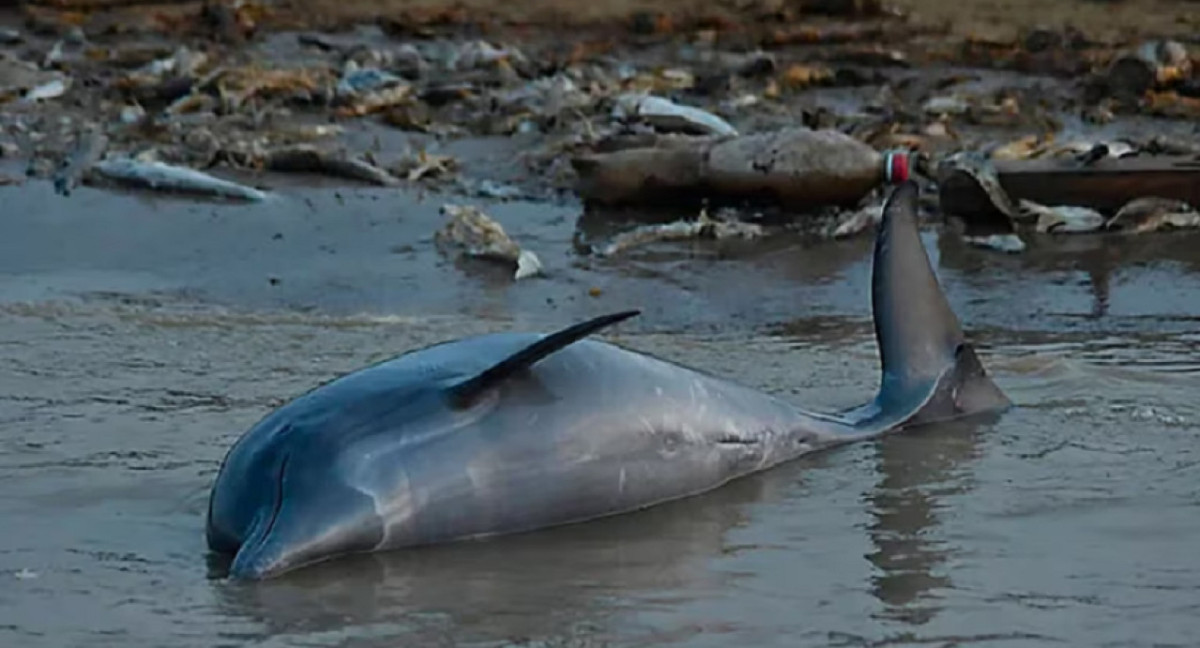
pixel 510 432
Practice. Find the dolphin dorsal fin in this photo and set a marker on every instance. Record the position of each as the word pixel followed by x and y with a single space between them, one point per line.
pixel 464 393
pixel 917 332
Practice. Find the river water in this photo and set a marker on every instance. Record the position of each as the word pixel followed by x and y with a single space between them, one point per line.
pixel 139 338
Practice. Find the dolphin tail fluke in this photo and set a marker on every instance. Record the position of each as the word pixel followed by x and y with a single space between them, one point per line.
pixel 929 370
pixel 465 392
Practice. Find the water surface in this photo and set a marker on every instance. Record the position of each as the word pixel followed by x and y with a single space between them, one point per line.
pixel 126 373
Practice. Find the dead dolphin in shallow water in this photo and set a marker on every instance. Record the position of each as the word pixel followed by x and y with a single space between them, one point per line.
pixel 511 432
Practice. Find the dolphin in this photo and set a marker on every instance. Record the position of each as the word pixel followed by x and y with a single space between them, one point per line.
pixel 511 432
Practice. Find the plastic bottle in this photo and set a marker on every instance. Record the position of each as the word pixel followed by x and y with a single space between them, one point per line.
pixel 793 168
pixel 802 167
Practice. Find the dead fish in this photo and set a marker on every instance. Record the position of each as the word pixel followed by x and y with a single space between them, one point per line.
pixel 1062 218
pixel 168 177
pixel 664 114
pixel 704 227
pixel 304 158
pixel 1007 243
pixel 477 235
pixel 1151 214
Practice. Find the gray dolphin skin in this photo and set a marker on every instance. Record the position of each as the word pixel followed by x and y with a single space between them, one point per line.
pixel 511 432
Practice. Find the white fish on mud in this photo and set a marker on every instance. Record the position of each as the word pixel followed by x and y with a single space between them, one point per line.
pixel 1007 243
pixel 667 115
pixel 168 177
pixel 479 236
pixel 1066 219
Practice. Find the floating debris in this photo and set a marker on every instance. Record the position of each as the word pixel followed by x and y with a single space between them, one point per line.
pixel 704 227
pixel 168 177
pixel 666 115
pixel 477 235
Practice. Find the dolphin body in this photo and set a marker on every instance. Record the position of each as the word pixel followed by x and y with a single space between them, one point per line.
pixel 510 432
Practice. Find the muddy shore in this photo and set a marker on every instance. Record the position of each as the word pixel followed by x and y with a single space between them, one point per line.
pixel 142 332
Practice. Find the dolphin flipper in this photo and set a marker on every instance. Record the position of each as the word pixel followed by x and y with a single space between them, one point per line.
pixel 464 393
pixel 929 371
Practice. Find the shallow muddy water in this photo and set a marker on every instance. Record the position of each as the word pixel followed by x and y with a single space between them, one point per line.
pixel 138 339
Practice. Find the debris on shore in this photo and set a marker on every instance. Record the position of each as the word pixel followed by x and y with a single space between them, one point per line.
pixel 305 158
pixel 1087 190
pixel 798 106
pixel 705 227
pixel 475 234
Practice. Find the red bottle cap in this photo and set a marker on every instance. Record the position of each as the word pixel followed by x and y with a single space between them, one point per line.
pixel 896 167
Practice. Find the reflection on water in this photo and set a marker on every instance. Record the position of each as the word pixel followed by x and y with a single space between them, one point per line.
pixel 558 584
pixel 916 470
pixel 1085 276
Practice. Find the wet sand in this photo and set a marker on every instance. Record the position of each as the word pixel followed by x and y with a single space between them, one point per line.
pixel 139 336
